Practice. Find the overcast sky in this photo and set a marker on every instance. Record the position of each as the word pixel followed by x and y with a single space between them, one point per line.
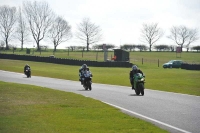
pixel 121 20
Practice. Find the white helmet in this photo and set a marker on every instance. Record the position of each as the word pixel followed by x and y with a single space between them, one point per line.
pixel 134 67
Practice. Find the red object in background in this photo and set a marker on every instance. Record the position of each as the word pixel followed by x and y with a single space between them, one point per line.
pixel 114 58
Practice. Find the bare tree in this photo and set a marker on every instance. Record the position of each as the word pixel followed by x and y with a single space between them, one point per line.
pixel 43 47
pixel 22 32
pixel 109 46
pixel 81 48
pixel 128 46
pixel 73 48
pixel 162 47
pixel 59 32
pixel 142 47
pixel 7 22
pixel 172 48
pixel 151 33
pixel 39 16
pixel 182 35
pixel 88 32
pixel 100 46
pixel 97 46
pixel 193 37
pixel 197 48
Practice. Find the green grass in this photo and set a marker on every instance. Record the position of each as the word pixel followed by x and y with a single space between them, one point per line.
pixel 26 108
pixel 135 57
pixel 99 56
pixel 163 57
pixel 157 78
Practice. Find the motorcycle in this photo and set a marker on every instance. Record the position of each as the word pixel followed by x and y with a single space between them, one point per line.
pixel 87 80
pixel 139 81
pixel 28 72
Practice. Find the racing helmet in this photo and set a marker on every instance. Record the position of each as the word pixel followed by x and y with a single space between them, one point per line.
pixel 84 66
pixel 134 67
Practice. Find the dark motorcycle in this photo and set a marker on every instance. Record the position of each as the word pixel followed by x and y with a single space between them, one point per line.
pixel 87 80
pixel 139 81
pixel 28 72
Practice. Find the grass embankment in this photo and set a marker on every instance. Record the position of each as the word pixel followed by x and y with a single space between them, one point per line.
pixel 171 80
pixel 25 108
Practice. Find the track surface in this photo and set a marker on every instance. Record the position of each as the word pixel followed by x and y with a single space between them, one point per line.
pixel 175 112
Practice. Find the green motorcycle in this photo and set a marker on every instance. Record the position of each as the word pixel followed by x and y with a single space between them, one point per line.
pixel 139 81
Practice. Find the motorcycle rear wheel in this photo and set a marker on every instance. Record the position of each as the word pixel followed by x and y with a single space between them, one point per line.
pixel 89 85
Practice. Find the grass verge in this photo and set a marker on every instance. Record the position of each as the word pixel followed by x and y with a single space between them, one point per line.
pixel 26 108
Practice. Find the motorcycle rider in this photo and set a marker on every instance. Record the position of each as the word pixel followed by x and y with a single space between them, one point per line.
pixel 134 70
pixel 83 68
pixel 25 67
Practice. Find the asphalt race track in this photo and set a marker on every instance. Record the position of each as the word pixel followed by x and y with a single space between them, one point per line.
pixel 178 113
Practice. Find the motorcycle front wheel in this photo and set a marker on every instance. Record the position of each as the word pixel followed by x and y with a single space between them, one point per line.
pixel 86 88
pixel 141 88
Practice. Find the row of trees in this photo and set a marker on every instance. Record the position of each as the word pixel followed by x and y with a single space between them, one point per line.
pixel 37 19
pixel 181 35
pixel 142 47
pixel 150 34
pixel 131 47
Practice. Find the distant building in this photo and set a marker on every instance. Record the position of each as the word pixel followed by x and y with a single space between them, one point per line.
pixel 121 55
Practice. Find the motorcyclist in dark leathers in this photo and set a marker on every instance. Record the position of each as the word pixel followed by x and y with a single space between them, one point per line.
pixel 25 67
pixel 134 70
pixel 81 71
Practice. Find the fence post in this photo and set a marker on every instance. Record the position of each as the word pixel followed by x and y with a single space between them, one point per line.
pixel 158 62
pixel 97 56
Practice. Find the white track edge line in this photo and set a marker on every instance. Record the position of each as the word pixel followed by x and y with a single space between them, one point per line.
pixel 154 120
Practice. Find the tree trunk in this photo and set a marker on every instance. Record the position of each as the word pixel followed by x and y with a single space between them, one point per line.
pixel 87 43
pixel 55 45
pixel 87 46
pixel 22 43
pixel 7 47
pixel 38 46
pixel 150 49
pixel 54 48
pixel 181 48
